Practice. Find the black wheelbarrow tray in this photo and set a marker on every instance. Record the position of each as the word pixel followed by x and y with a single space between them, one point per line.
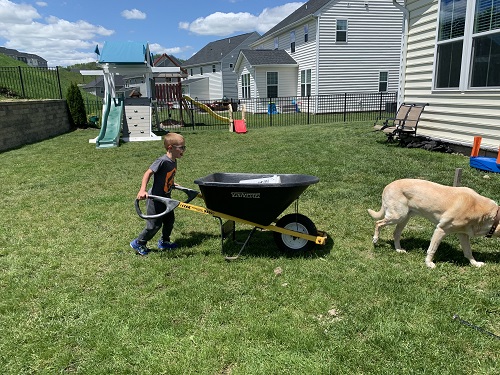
pixel 253 199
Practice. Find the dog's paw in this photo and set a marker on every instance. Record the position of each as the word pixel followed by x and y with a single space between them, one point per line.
pixel 430 264
pixel 375 240
pixel 476 263
pixel 401 251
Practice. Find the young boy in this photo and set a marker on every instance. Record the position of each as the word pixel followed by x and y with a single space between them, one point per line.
pixel 163 169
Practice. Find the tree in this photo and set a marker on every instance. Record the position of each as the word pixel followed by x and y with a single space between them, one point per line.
pixel 76 106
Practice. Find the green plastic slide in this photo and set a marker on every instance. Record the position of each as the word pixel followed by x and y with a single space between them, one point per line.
pixel 111 125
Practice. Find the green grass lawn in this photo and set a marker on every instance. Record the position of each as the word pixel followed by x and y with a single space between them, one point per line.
pixel 76 299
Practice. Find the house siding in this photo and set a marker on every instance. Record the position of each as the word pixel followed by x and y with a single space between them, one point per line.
pixel 229 79
pixel 451 115
pixel 305 54
pixel 222 82
pixel 286 80
pixel 373 45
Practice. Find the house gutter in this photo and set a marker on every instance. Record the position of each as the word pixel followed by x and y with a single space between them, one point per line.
pixel 316 83
pixel 404 47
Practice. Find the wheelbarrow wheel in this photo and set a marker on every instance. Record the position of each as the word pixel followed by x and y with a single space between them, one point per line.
pixel 298 223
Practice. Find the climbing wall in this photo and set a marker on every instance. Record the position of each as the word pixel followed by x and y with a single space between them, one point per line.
pixel 137 120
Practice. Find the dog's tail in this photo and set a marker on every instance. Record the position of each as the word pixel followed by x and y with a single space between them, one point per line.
pixel 377 215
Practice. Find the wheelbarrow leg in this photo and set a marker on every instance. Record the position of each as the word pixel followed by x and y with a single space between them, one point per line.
pixel 244 244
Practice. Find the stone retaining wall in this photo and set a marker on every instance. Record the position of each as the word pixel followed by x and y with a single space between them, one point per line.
pixel 30 121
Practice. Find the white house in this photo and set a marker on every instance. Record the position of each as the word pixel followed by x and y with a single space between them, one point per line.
pixel 339 46
pixel 211 70
pixel 451 60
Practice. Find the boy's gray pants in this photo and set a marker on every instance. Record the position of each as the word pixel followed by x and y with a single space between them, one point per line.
pixel 166 223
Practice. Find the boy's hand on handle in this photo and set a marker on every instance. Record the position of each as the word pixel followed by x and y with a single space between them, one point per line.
pixel 142 194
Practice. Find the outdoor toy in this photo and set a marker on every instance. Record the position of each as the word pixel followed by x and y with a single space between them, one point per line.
pixel 127 118
pixel 252 199
pixel 481 162
pixel 237 126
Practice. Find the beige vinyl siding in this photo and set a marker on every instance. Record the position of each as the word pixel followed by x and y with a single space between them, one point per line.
pixel 305 52
pixel 287 80
pixel 284 38
pixel 452 115
pixel 229 78
pixel 373 45
pixel 245 68
pixel 216 92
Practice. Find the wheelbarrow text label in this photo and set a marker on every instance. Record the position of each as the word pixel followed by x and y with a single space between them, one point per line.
pixel 240 194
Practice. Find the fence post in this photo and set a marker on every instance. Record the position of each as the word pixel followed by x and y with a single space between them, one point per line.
pixel 59 83
pixel 345 107
pixel 380 108
pixel 308 109
pixel 270 112
pixel 22 82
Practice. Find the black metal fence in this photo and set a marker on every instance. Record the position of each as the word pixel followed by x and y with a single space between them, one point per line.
pixel 45 83
pixel 282 111
pixel 31 82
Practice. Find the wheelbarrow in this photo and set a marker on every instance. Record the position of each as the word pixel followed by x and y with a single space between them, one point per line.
pixel 253 199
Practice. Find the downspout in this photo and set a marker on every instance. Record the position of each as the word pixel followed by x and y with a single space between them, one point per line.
pixel 317 64
pixel 404 46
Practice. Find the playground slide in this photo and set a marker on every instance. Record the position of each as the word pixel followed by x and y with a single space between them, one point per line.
pixel 109 136
pixel 207 109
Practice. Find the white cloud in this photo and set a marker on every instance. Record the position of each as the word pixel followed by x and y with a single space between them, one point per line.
pixel 155 48
pixel 41 3
pixel 58 41
pixel 224 24
pixel 11 13
pixel 133 14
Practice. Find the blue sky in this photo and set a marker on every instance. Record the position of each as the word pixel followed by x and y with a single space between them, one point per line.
pixel 66 32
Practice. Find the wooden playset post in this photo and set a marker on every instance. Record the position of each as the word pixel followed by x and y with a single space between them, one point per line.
pixel 231 120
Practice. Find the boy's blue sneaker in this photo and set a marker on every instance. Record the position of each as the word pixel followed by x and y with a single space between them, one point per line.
pixel 164 245
pixel 139 249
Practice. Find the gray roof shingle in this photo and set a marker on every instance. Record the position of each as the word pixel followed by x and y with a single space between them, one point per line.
pixel 268 57
pixel 307 9
pixel 216 51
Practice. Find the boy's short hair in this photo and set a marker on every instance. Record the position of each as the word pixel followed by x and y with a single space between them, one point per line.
pixel 171 139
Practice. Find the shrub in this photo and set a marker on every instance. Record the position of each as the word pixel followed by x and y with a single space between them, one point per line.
pixel 76 106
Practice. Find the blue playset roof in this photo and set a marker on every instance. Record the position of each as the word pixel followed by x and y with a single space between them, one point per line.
pixel 125 53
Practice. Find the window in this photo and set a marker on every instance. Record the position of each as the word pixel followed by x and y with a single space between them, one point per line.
pixel 272 84
pixel 306 33
pixel 230 66
pixel 305 82
pixel 292 41
pixel 468 46
pixel 201 70
pixel 341 35
pixel 450 43
pixel 191 71
pixel 245 86
pixel 383 78
pixel 276 43
pixel 213 68
pixel 486 44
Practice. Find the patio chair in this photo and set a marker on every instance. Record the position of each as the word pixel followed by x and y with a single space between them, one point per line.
pixel 391 124
pixel 408 127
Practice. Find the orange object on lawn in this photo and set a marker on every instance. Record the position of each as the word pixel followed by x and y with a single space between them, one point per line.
pixel 476 146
